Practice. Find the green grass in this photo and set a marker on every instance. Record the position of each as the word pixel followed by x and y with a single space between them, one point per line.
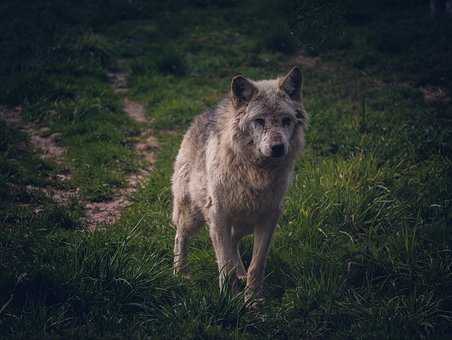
pixel 363 250
pixel 95 131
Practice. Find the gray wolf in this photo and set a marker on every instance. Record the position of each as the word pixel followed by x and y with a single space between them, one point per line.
pixel 232 171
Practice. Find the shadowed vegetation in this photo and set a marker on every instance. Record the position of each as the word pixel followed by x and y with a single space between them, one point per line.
pixel 363 250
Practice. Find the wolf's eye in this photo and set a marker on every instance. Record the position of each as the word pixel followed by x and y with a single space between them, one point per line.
pixel 260 122
pixel 286 121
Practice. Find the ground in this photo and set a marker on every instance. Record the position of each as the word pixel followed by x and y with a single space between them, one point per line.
pixel 363 250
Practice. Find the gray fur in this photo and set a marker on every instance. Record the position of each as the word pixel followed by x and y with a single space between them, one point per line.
pixel 233 169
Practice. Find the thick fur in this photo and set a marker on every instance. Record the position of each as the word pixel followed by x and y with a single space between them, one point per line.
pixel 233 169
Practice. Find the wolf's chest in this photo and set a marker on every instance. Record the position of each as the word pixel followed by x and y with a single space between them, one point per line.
pixel 243 192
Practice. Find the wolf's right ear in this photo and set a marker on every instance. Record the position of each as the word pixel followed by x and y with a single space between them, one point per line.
pixel 242 90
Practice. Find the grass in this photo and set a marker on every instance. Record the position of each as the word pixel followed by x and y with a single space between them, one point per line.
pixel 94 130
pixel 364 246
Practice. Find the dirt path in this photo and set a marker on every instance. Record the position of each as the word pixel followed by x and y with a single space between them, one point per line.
pixel 45 143
pixel 102 213
pixel 48 147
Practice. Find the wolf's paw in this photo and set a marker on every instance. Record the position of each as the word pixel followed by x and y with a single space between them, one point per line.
pixel 241 276
pixel 254 300
pixel 185 274
pixel 255 306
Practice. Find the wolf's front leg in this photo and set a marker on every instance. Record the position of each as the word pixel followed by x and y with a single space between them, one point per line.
pixel 237 234
pixel 220 234
pixel 256 271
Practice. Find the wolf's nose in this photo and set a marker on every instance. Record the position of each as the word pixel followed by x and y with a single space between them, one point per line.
pixel 278 150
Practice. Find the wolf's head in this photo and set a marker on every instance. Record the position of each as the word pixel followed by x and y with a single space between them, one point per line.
pixel 270 116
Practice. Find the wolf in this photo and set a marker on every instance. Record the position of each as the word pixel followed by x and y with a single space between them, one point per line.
pixel 232 171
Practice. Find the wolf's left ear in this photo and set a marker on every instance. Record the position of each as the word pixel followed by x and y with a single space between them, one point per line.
pixel 242 90
pixel 292 84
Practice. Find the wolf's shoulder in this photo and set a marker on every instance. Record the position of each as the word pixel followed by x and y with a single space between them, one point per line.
pixel 207 123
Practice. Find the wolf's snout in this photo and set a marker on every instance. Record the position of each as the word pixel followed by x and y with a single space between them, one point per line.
pixel 278 150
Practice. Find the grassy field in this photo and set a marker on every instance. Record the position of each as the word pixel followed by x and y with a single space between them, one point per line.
pixel 363 250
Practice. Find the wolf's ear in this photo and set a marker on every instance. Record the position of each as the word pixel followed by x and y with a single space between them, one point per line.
pixel 242 90
pixel 292 84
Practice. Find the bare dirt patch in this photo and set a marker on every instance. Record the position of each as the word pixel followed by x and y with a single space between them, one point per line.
pixel 302 59
pixel 118 81
pixel 135 110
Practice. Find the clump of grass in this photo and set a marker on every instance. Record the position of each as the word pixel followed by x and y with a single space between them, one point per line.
pixel 171 62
